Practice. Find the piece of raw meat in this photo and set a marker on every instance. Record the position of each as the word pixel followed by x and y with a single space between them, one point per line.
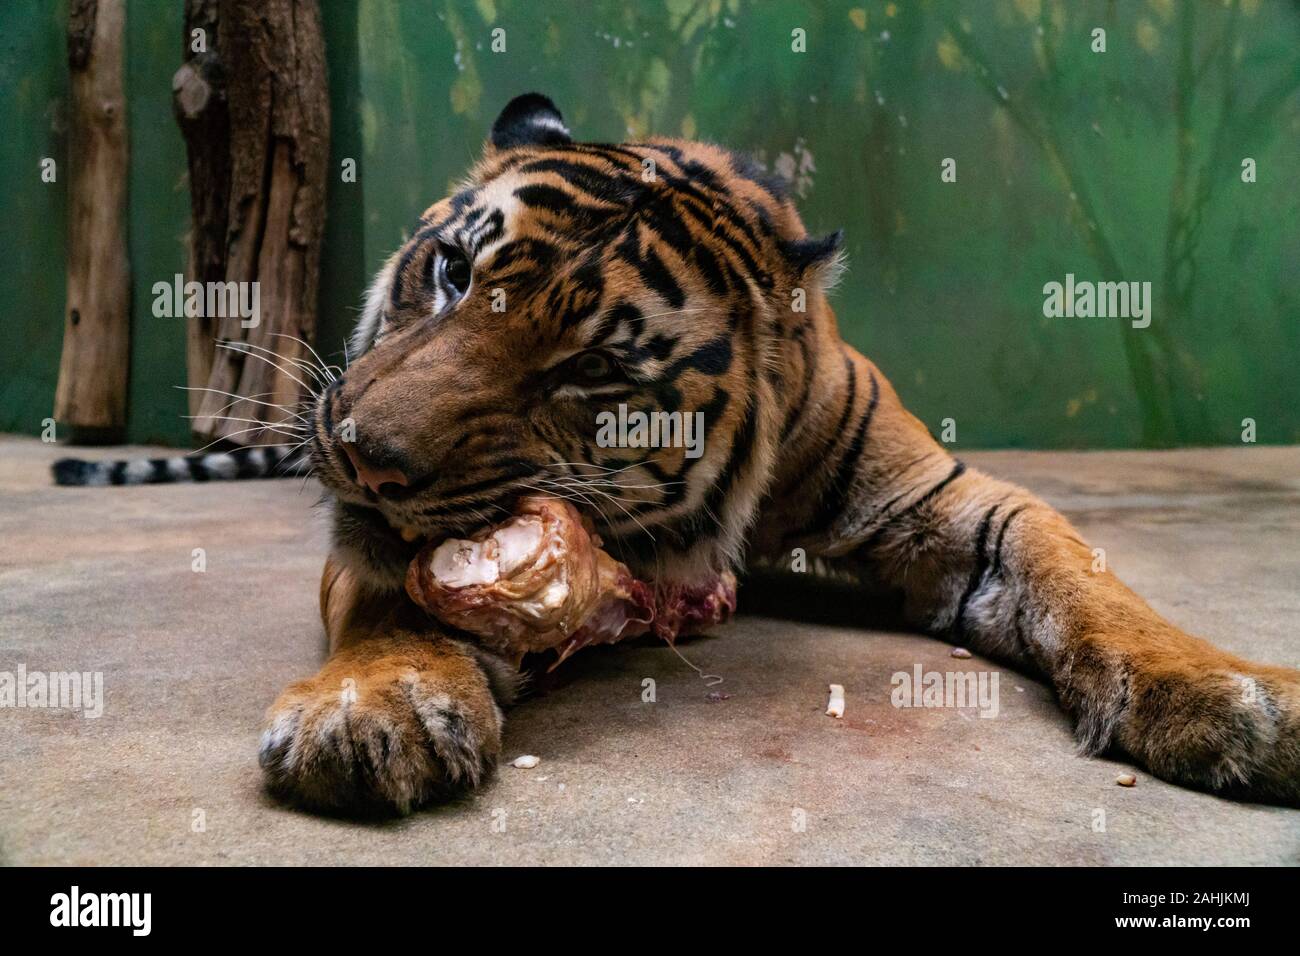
pixel 540 581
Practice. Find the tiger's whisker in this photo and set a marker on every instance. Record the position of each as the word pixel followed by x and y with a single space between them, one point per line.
pixel 238 398
pixel 322 364
pixel 318 375
pixel 298 363
pixel 252 421
pixel 275 365
pixel 242 431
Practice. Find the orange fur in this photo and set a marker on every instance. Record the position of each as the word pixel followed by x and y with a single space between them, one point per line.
pixel 693 276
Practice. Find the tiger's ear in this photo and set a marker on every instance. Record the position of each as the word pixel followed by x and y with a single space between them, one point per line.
pixel 529 120
pixel 816 261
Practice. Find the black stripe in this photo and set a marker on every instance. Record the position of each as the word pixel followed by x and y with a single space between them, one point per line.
pixel 850 397
pixel 462 200
pixel 459 203
pixel 276 459
pixel 835 497
pixel 997 556
pixel 849 400
pixel 507 254
pixel 160 472
pixel 717 205
pixel 244 466
pixel 713 221
pixel 958 469
pixel 977 573
pixel 462 509
pixel 708 266
pixel 652 269
pixel 742 447
pixel 561 203
pixel 712 411
pixel 198 470
pixel 609 152
pixel 117 473
pixel 615 318
pixel 489 234
pixel 1020 632
pixel 885 508
pixel 413 249
pixel 720 207
pixel 602 185
pixel 661 346
pixel 797 409
pixel 517 470
pixel 714 209
pixel 271 459
pixel 702 521
pixel 661 218
pixel 713 358
pixel 582 292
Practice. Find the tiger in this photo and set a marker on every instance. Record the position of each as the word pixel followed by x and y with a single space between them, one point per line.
pixel 562 279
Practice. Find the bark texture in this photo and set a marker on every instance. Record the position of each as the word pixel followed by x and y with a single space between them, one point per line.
pixel 252 100
pixel 90 400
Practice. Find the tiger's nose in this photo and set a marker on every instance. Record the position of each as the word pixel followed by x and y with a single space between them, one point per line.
pixel 373 475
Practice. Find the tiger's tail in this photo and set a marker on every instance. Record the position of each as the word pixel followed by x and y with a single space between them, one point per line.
pixel 241 464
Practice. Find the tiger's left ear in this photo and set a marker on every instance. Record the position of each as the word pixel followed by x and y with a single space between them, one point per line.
pixel 529 120
pixel 816 261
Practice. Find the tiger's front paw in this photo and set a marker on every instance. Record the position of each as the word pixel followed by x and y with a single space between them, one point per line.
pixel 1225 726
pixel 384 727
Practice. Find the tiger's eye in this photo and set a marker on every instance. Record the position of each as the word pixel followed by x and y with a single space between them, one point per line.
pixel 456 270
pixel 593 366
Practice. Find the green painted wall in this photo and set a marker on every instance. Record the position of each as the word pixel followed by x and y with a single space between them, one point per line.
pixel 33 61
pixel 33 65
pixel 344 265
pixel 33 96
pixel 158 223
pixel 1117 165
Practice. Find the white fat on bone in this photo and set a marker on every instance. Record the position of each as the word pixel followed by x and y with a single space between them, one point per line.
pixel 517 543
pixel 459 563
pixel 836 706
pixel 536 582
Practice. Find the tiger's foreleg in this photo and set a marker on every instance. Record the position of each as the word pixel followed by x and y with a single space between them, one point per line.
pixel 990 566
pixel 399 714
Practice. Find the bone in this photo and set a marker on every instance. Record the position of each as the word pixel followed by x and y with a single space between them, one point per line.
pixel 540 581
pixel 836 706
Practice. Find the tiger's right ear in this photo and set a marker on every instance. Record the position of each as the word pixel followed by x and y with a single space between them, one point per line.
pixel 820 261
pixel 529 120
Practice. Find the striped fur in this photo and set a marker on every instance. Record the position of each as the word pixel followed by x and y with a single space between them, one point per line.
pixel 684 279
pixel 253 461
pixel 688 283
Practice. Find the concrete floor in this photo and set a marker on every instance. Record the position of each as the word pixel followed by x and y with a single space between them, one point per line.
pixel 101 580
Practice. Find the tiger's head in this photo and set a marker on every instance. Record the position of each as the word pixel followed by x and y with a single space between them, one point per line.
pixel 564 291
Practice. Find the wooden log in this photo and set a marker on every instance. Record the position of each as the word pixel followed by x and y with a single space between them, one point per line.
pixel 90 400
pixel 277 100
pixel 199 103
